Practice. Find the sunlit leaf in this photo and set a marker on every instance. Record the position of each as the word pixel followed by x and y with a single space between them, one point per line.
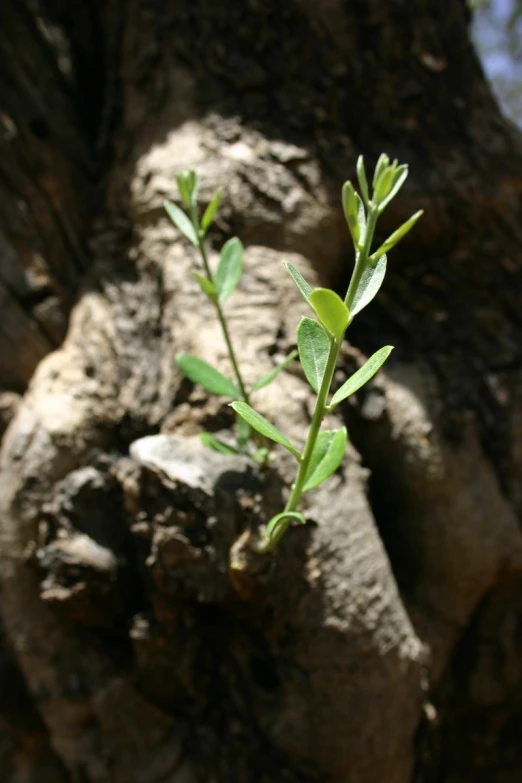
pixel 192 184
pixel 369 284
pixel 314 345
pixel 181 179
pixel 397 235
pixel 398 181
pixel 354 212
pixel 326 457
pixel 199 371
pixel 384 185
pixel 382 164
pixel 304 289
pixel 363 182
pixel 210 212
pixel 266 379
pixel 229 268
pixel 181 221
pixel 262 425
pixel 362 376
pixel 331 311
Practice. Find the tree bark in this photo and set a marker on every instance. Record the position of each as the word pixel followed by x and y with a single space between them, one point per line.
pixel 382 639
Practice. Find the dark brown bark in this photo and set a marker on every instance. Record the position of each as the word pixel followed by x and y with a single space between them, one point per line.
pixel 382 641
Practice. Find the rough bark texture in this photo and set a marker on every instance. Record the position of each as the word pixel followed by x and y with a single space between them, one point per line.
pixel 383 639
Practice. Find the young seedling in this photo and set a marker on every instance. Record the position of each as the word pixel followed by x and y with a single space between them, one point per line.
pixel 217 287
pixel 319 341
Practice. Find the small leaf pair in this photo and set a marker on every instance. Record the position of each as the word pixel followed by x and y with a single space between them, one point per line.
pixel 201 372
pixel 188 189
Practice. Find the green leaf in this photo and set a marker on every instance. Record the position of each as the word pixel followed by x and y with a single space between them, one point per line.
pixel 278 525
pixel 230 268
pixel 192 184
pixel 354 212
pixel 274 372
pixel 382 164
pixel 331 311
pixel 261 455
pixel 326 456
pixel 398 235
pixel 398 180
pixel 322 445
pixel 188 187
pixel 262 425
pixel 181 221
pixel 208 288
pixel 199 371
pixel 369 284
pixel 304 289
pixel 181 179
pixel 211 442
pixel 362 376
pixel 363 182
pixel 384 185
pixel 314 345
pixel 210 212
pixel 243 432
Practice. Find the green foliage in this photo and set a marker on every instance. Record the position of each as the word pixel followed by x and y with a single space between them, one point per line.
pixel 217 286
pixel 182 222
pixel 313 344
pixel 331 311
pixel 397 235
pixel 272 374
pixel 318 341
pixel 199 371
pixel 263 426
pixel 300 282
pixel 369 284
pixel 230 268
pixel 326 457
pixel 207 286
pixel 210 212
pixel 214 443
pixel 362 376
pixel 276 528
pixel 353 212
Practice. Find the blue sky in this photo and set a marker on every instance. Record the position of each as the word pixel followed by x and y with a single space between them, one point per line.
pixel 501 52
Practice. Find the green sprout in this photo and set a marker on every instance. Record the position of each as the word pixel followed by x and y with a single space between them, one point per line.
pixel 319 341
pixel 217 286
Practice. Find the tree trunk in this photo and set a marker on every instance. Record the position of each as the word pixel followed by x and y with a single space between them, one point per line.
pixel 382 640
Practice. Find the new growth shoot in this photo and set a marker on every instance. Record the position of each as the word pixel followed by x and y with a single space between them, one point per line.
pixel 319 339
pixel 217 286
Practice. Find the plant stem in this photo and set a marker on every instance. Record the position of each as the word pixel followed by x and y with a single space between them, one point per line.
pixel 321 407
pixel 267 544
pixel 219 311
pixel 363 253
pixel 315 425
